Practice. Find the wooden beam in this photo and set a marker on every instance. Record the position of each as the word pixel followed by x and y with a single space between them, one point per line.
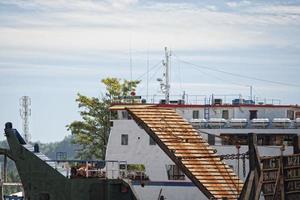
pixel 171 155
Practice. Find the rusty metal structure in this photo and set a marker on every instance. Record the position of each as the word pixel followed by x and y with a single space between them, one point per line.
pixel 189 151
pixel 277 177
pixel 253 183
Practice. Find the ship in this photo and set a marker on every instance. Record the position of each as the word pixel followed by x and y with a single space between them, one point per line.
pixel 223 126
pixel 196 147
pixel 45 179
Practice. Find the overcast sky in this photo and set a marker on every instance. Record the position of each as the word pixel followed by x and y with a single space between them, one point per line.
pixel 52 49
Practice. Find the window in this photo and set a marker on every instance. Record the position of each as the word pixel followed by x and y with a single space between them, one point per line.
pixel 124 139
pixel 297 115
pixel 174 173
pixel 125 115
pixel 225 114
pixel 111 123
pixel 195 114
pixel 253 114
pixel 151 141
pixel 290 114
pixel 211 139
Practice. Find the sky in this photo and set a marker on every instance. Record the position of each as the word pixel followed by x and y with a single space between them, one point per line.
pixel 51 50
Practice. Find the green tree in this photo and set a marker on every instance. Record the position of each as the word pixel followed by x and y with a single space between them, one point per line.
pixel 92 132
pixel 116 91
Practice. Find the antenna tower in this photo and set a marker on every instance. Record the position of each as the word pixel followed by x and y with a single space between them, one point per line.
pixel 25 112
pixel 166 63
pixel 165 82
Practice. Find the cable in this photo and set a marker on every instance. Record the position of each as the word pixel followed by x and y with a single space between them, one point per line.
pixel 180 79
pixel 237 75
pixel 155 66
pixel 152 68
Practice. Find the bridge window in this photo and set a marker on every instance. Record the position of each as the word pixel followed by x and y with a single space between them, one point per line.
pixel 290 114
pixel 195 114
pixel 225 114
pixel 174 173
pixel 124 139
pixel 253 114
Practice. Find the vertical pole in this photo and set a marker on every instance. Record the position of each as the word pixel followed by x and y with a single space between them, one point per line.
pixel 251 92
pixel 147 74
pixel 1 184
pixel 252 140
pixel 5 169
pixel 282 192
pixel 296 144
pixel 167 95
pixel 130 61
pixel 238 164
pixel 255 169
pixel 238 159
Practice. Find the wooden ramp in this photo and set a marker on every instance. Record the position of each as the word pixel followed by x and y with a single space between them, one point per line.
pixel 177 138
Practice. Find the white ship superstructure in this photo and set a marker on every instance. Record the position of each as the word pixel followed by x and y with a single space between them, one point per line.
pixel 224 126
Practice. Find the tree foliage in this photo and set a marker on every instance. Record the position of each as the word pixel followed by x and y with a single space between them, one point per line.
pixel 116 91
pixel 92 132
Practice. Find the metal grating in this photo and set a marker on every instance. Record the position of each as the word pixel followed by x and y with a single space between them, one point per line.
pixel 177 138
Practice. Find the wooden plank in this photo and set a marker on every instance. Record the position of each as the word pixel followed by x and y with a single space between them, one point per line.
pixel 186 148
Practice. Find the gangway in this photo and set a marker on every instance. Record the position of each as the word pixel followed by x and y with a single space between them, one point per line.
pixel 189 151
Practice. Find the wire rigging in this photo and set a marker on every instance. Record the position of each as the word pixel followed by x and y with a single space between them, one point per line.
pixel 148 71
pixel 157 67
pixel 234 74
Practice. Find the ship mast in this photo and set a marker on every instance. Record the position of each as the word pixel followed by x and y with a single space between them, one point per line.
pixel 167 75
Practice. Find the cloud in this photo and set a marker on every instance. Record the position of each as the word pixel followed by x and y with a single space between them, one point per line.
pixel 277 9
pixel 67 26
pixel 70 5
pixel 234 4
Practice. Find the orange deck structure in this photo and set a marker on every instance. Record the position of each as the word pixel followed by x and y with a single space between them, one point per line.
pixel 189 151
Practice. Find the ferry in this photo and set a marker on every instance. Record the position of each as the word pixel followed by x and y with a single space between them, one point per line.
pixel 225 128
pixel 161 171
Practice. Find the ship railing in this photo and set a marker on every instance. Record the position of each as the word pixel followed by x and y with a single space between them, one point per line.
pixel 209 99
pixel 110 169
pixel 263 123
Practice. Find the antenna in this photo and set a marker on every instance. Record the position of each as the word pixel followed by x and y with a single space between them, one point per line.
pixel 165 86
pixel 167 75
pixel 130 58
pixel 25 112
pixel 251 92
pixel 147 73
